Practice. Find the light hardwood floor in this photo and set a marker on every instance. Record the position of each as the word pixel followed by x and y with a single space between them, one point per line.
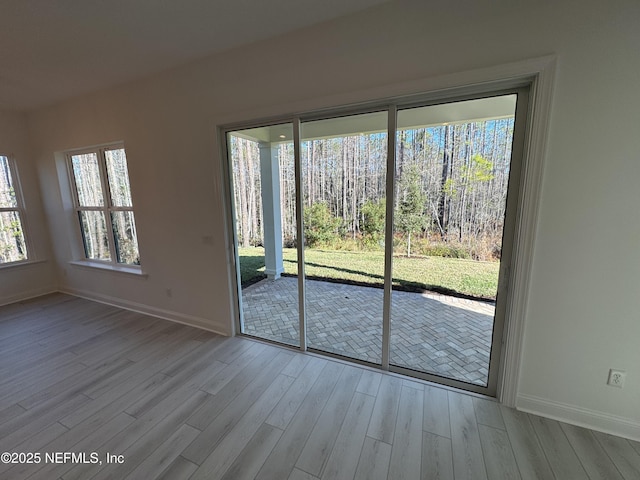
pixel 181 403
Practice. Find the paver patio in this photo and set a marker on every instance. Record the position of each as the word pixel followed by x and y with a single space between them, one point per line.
pixel 430 332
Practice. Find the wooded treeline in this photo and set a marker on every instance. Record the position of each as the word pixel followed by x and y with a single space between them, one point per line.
pixel 12 244
pixel 451 182
pixel 92 200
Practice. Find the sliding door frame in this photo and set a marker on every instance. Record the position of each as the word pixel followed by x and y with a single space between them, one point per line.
pixel 508 236
pixel 537 76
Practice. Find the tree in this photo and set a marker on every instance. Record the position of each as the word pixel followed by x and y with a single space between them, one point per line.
pixel 443 206
pixel 373 221
pixel 410 216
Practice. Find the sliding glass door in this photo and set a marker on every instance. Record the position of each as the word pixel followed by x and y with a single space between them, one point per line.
pixel 263 174
pixel 343 176
pixel 382 236
pixel 452 174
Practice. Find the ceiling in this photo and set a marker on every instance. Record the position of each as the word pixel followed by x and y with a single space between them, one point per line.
pixel 52 50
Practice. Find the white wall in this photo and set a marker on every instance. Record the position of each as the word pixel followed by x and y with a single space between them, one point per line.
pixel 583 313
pixel 37 277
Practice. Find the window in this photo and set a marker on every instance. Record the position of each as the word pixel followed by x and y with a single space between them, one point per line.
pixel 396 182
pixel 13 247
pixel 103 203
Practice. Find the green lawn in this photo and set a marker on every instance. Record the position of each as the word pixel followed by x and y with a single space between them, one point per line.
pixel 448 275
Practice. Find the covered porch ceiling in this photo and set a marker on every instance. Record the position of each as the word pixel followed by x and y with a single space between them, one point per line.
pixel 467 111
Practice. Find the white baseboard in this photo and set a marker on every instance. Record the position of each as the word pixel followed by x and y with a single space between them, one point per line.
pixel 582 417
pixel 22 296
pixel 177 317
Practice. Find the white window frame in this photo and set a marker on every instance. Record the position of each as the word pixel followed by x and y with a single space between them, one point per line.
pixel 107 209
pixel 20 209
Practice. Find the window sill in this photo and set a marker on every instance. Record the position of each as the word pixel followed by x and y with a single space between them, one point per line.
pixel 136 271
pixel 22 263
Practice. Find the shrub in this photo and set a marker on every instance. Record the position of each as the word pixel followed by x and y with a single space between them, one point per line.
pixel 289 242
pixel 348 244
pixel 431 248
pixel 373 221
pixel 320 226
pixel 447 251
pixel 487 248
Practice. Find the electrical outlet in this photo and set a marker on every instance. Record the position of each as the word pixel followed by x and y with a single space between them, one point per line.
pixel 616 378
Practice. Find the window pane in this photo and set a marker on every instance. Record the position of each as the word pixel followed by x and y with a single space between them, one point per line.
pixel 118 178
pixel 263 166
pixel 7 192
pixel 453 162
pixel 12 246
pixel 344 169
pixel 94 234
pixel 87 175
pixel 124 230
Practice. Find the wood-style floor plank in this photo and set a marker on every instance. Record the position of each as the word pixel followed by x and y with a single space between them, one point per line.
pixel 180 469
pixel 406 451
pixel 343 461
pixel 109 405
pixel 245 364
pixel 296 365
pixel 222 457
pixel 10 412
pixel 291 401
pixel 320 443
pixel 437 457
pixel 35 444
pixel 498 456
pixel 369 383
pixel 385 411
pixel 253 456
pixel 468 462
pixel 183 404
pixel 488 413
pixel 90 443
pixel 164 455
pixel 32 422
pixel 188 376
pixel 165 416
pixel 280 463
pixel 227 395
pixel 436 411
pixel 558 450
pixel 224 423
pixel 297 474
pixel 374 460
pixel 76 383
pixel 164 353
pixel 529 454
pixel 621 453
pixel 593 457
pixel 15 392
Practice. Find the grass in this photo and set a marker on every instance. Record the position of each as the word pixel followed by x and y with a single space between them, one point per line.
pixel 446 275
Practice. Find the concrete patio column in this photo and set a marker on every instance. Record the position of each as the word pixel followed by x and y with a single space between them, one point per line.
pixel 271 214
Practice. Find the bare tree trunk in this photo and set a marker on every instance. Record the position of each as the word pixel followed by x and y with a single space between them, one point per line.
pixel 401 161
pixel 252 201
pixel 345 159
pixel 444 176
pixel 242 192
